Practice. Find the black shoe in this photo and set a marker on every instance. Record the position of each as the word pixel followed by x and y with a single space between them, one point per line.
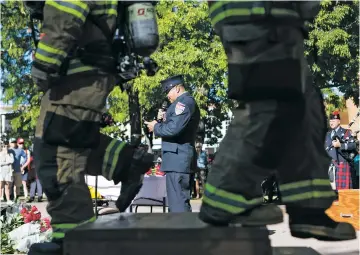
pixel 30 200
pixel 315 223
pixel 40 199
pixel 259 216
pixel 45 249
pixel 131 185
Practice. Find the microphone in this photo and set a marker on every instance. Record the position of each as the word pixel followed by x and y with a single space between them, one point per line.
pixel 164 107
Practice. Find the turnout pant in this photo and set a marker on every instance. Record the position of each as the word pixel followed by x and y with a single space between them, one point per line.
pixel 68 145
pixel 283 135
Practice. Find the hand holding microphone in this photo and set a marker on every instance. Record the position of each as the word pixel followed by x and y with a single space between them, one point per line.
pixel 162 111
pixel 160 115
pixel 159 118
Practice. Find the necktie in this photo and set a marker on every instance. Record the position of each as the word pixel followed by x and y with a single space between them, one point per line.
pixel 333 133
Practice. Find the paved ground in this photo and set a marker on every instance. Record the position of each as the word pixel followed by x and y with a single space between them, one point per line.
pixel 280 236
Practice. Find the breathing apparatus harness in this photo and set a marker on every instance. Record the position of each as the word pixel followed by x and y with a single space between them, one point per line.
pixel 125 53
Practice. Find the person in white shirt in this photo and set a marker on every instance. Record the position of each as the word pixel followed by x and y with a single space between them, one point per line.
pixel 6 171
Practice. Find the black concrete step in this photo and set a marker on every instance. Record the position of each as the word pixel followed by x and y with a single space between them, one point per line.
pixel 164 234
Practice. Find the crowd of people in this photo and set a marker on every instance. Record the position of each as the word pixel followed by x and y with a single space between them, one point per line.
pixel 17 172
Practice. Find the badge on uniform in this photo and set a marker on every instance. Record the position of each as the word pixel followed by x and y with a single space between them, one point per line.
pixel 179 108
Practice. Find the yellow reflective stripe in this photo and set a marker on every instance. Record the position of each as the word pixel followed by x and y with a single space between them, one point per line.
pixel 61 5
pixel 281 12
pixel 105 7
pixel 49 54
pixel 310 184
pixel 111 157
pixel 62 228
pixel 308 195
pixel 73 225
pixel 225 207
pixel 80 69
pixel 228 195
pixel 115 160
pixel 112 2
pixel 65 225
pixel 47 59
pixel 106 158
pixel 301 184
pixel 81 4
pixel 227 201
pixel 52 50
pixel 247 12
pixel 76 66
pixel 58 235
pixel 216 6
pixel 106 11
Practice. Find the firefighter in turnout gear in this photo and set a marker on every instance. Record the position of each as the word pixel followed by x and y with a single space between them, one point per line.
pixel 280 125
pixel 68 143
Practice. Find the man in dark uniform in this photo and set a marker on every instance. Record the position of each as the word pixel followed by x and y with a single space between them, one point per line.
pixel 339 143
pixel 178 133
pixel 280 125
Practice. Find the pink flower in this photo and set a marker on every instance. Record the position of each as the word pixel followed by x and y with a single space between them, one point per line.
pixel 38 216
pixel 34 208
pixel 28 218
pixel 23 211
pixel 46 223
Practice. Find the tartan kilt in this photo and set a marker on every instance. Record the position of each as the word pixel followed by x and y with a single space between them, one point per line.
pixel 343 175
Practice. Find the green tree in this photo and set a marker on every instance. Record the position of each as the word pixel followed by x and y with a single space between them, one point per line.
pixel 332 101
pixel 16 50
pixel 333 48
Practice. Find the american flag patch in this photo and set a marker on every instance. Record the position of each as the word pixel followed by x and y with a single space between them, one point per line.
pixel 179 108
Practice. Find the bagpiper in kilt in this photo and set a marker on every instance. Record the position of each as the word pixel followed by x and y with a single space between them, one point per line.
pixel 339 143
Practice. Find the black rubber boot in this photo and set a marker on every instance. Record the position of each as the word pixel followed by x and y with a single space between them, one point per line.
pixel 258 216
pixel 315 223
pixel 45 249
pixel 132 183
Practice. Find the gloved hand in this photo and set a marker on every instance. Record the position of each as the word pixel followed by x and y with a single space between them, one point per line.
pixel 140 164
pixel 42 79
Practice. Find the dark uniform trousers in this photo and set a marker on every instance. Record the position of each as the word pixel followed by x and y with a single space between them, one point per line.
pixel 68 145
pixel 284 136
pixel 178 186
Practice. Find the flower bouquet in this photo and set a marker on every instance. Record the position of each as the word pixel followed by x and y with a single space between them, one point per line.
pixel 155 171
pixel 23 227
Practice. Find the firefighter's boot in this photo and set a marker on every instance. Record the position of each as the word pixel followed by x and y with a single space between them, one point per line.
pixel 131 182
pixel 314 223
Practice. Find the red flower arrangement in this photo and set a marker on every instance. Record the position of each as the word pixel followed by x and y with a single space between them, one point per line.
pixel 34 215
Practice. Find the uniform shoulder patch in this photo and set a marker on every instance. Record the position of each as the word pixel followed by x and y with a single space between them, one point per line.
pixel 179 108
